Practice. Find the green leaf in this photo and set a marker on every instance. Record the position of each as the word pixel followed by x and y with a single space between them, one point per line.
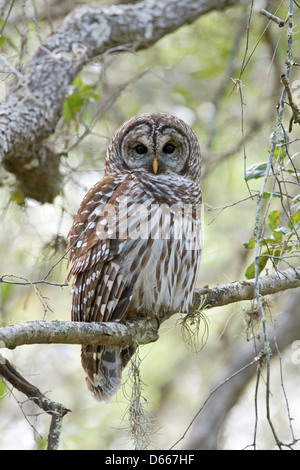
pixel 250 271
pixel 72 105
pixel 277 235
pixel 280 151
pixel 18 196
pixel 268 194
pixel 2 390
pixel 250 244
pixel 274 220
pixel 255 171
pixel 277 254
pixel 268 241
pixel 295 220
pixel 78 83
pixel 81 95
pixel 3 40
pixel 6 291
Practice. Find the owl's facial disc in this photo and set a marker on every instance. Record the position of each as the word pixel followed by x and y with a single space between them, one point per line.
pixel 155 150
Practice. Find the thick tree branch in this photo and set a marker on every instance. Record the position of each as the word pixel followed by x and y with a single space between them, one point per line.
pixel 32 109
pixel 68 332
pixel 244 290
pixel 141 331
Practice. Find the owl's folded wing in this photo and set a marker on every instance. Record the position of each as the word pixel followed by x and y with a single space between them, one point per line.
pixel 102 290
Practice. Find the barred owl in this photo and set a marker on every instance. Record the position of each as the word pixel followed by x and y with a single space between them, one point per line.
pixel 135 243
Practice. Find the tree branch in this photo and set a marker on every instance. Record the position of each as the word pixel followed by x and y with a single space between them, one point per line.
pixel 141 331
pixel 56 410
pixel 136 331
pixel 69 332
pixel 32 109
pixel 244 290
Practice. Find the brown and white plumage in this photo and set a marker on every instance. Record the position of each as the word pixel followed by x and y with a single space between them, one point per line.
pixel 135 243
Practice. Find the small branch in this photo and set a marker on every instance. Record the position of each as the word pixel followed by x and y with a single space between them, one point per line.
pixel 26 282
pixel 56 410
pixel 273 18
pixel 11 67
pixel 204 435
pixel 295 110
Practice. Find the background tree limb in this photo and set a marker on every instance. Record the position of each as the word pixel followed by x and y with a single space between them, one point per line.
pixel 35 104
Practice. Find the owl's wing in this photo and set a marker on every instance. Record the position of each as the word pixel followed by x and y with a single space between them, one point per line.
pixel 90 243
pixel 101 291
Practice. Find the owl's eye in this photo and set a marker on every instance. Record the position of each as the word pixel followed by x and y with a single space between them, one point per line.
pixel 169 148
pixel 141 149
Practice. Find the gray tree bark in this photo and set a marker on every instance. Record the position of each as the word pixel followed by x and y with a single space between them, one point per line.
pixel 34 105
pixel 141 331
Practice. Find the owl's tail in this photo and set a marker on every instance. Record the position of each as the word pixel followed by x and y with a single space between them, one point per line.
pixel 103 368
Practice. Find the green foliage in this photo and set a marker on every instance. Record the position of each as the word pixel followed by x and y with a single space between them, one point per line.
pixel 81 95
pixel 255 171
pixel 6 40
pixel 2 390
pixel 280 242
pixel 6 292
pixel 18 196
pixel 277 245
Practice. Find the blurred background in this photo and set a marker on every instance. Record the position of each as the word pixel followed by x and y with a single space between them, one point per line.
pixel 190 73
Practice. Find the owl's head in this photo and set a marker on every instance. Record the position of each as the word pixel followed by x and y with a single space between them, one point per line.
pixel 156 143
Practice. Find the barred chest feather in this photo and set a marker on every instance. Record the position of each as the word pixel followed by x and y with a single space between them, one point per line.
pixel 162 264
pixel 167 281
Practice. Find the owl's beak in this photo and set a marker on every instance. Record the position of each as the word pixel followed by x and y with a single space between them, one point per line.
pixel 155 165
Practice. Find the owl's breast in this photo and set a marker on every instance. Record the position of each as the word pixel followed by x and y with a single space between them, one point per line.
pixel 163 274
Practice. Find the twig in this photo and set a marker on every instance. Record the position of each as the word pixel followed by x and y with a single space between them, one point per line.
pixel 295 110
pixel 26 282
pixel 246 62
pixel 274 18
pixel 56 410
pixel 11 67
pixel 208 398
